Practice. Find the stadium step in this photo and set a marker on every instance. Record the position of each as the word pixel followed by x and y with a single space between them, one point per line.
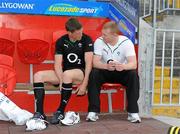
pixel 166 98
pixel 173 111
pixel 166 83
pixel 159 110
pixel 158 71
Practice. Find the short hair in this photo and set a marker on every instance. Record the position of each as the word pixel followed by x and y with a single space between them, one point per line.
pixel 112 26
pixel 72 25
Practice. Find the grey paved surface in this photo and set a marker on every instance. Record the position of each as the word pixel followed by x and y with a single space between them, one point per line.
pixel 108 124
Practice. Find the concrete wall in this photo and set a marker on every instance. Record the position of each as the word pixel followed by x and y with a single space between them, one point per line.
pixel 145 67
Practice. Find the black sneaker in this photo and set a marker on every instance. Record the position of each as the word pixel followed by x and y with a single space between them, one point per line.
pixel 38 115
pixel 57 116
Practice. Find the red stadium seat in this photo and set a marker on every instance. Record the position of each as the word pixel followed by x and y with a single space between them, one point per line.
pixel 117 86
pixel 56 35
pixel 7 45
pixel 7 79
pixel 6 60
pixel 32 47
pixel 110 88
pixel 7 75
pixel 93 34
pixel 31 34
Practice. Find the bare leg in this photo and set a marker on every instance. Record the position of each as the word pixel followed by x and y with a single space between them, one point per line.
pixel 74 76
pixel 46 76
pixel 39 79
pixel 69 76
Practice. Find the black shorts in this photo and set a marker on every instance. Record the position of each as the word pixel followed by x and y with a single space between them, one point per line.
pixel 56 85
pixel 82 69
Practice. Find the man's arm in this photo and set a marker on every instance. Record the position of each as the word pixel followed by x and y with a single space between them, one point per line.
pixel 58 59
pixel 58 67
pixel 88 67
pixel 130 56
pixel 131 65
pixel 97 63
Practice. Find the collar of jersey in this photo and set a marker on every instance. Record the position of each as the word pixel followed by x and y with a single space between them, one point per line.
pixel 70 42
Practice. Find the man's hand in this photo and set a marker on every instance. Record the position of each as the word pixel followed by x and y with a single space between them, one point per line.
pixel 120 67
pixel 81 90
pixel 111 66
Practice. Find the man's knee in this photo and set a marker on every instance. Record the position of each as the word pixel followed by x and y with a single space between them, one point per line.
pixel 67 75
pixel 38 76
pixel 133 78
pixel 132 73
pixel 95 77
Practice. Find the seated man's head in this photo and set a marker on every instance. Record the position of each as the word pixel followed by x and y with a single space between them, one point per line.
pixel 74 29
pixel 110 32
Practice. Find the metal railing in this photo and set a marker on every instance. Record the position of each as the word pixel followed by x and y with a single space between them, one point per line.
pixel 166 40
pixel 146 6
pixel 164 5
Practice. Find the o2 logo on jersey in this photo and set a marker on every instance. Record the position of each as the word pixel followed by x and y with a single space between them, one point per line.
pixel 72 58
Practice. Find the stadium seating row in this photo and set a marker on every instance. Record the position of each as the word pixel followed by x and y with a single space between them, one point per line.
pixel 33 48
